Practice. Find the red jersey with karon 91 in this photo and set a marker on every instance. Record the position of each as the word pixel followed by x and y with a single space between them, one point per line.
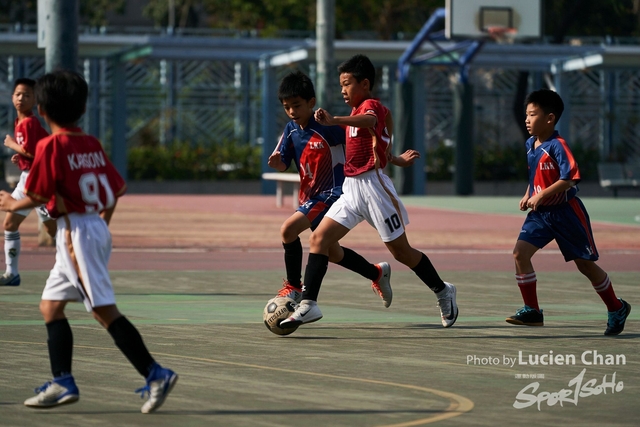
pixel 27 133
pixel 366 148
pixel 72 174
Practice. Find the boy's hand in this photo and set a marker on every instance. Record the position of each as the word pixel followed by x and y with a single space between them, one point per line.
pixel 534 201
pixel 523 203
pixel 275 161
pixel 9 141
pixel 323 117
pixel 14 159
pixel 405 159
pixel 6 201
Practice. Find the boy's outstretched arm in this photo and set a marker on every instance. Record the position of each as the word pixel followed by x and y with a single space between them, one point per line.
pixel 11 143
pixel 364 121
pixel 9 204
pixel 405 159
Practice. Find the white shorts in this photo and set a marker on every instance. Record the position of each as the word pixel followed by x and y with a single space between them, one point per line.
pixel 83 248
pixel 371 196
pixel 18 194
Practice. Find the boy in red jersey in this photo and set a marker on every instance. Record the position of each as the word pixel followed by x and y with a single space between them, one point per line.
pixel 318 153
pixel 556 213
pixel 72 175
pixel 368 194
pixel 28 132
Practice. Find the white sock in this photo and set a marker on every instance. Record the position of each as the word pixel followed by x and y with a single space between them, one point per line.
pixel 11 251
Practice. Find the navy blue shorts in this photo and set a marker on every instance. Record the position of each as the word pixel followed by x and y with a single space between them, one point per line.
pixel 316 207
pixel 568 224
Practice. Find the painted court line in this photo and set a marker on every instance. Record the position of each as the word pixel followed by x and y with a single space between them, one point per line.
pixel 458 404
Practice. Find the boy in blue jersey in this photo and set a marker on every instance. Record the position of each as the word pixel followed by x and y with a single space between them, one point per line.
pixel 556 213
pixel 318 153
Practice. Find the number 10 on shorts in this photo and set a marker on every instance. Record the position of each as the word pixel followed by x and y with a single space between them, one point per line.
pixel 393 222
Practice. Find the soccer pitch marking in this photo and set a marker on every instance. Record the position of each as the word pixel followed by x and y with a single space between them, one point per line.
pixel 458 404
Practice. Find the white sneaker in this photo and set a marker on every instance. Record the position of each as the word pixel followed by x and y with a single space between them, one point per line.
pixel 290 291
pixel 447 305
pixel 60 391
pixel 159 385
pixel 382 286
pixel 306 312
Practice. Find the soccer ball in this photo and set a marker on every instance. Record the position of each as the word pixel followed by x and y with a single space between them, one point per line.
pixel 276 310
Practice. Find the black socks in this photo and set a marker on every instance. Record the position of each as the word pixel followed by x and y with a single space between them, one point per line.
pixel 60 343
pixel 130 343
pixel 313 275
pixel 293 261
pixel 358 264
pixel 428 274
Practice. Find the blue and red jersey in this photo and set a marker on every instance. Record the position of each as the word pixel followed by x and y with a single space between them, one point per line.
pixel 318 153
pixel 549 162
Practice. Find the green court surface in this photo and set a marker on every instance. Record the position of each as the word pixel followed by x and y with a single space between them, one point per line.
pixel 612 210
pixel 361 365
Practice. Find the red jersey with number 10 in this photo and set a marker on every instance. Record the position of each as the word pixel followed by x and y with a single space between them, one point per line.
pixel 366 148
pixel 72 174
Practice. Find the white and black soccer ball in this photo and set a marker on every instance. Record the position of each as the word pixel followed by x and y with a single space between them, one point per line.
pixel 276 310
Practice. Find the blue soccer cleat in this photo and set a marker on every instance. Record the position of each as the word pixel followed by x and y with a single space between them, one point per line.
pixel 59 391
pixel 159 384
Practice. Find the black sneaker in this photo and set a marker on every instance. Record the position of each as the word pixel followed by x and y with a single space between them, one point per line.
pixel 615 323
pixel 527 316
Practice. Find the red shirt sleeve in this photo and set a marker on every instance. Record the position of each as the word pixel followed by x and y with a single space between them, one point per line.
pixel 40 184
pixel 29 132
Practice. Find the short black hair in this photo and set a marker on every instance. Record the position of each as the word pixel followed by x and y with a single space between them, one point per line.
pixel 62 95
pixel 360 67
pixel 24 81
pixel 296 84
pixel 548 101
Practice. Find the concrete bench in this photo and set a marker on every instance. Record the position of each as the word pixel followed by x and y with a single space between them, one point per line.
pixel 619 175
pixel 280 178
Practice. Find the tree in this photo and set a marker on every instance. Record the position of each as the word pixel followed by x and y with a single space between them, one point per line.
pixel 267 16
pixel 92 12
pixel 384 17
pixel 616 18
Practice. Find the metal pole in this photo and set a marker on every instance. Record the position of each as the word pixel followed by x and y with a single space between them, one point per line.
pixel 325 33
pixel 269 132
pixel 119 117
pixel 562 88
pixel 61 49
pixel 463 117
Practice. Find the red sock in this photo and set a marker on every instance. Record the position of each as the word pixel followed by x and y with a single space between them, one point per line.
pixel 606 293
pixel 527 284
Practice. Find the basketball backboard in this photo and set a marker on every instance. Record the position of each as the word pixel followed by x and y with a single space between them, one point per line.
pixel 474 18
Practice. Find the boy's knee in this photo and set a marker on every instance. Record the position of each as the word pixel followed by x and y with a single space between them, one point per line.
pixel 44 308
pixel 287 233
pixel 316 243
pixel 405 255
pixel 10 225
pixel 519 255
pixel 51 310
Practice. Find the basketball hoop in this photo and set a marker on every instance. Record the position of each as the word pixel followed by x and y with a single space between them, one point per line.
pixel 502 35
